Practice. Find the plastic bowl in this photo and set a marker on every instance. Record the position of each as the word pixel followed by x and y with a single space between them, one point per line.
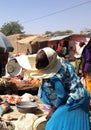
pixel 26 107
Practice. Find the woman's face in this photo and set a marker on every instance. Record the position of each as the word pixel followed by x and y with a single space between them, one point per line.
pixel 41 60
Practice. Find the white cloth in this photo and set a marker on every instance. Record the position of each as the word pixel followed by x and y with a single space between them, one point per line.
pixel 25 122
pixel 79 53
pixel 28 62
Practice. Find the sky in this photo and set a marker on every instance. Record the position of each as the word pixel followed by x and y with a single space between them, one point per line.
pixel 39 16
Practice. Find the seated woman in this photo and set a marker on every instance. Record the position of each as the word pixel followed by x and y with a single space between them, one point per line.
pixel 61 50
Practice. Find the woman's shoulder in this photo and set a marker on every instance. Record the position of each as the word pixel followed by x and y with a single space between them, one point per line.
pixel 67 64
pixel 57 77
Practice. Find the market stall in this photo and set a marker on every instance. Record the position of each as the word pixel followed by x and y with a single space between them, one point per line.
pixel 32 84
pixel 14 85
pixel 16 119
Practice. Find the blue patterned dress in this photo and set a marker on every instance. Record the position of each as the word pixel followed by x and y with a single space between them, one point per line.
pixel 65 92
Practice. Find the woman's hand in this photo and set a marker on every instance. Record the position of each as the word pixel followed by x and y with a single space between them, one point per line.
pixel 53 108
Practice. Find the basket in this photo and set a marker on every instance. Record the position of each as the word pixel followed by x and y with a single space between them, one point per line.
pixel 40 123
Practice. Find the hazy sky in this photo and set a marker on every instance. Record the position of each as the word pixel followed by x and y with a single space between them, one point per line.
pixel 39 16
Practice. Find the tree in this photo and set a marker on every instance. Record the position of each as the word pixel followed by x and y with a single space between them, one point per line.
pixel 59 33
pixel 68 32
pixel 12 28
pixel 49 33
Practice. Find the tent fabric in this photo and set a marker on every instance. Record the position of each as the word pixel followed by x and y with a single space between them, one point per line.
pixel 5 45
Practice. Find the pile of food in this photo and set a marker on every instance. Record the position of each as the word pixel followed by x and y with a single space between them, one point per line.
pixel 26 84
pixel 13 99
pixel 12 85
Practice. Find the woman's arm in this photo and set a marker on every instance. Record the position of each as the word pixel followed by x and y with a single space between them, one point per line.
pixel 61 96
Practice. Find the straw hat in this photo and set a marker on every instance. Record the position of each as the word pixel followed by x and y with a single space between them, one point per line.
pixel 28 62
pixel 13 68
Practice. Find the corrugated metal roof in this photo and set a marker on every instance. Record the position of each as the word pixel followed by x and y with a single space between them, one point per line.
pixel 58 37
pixel 65 36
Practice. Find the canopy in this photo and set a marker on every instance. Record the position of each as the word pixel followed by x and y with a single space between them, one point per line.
pixel 5 45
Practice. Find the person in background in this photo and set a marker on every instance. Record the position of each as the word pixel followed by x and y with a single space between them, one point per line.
pixel 3 61
pixel 86 65
pixel 62 90
pixel 78 56
pixel 61 50
pixel 86 58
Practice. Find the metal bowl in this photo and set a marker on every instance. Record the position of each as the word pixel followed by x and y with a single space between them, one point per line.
pixel 26 107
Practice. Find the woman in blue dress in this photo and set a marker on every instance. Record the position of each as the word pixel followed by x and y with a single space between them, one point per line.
pixel 62 90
